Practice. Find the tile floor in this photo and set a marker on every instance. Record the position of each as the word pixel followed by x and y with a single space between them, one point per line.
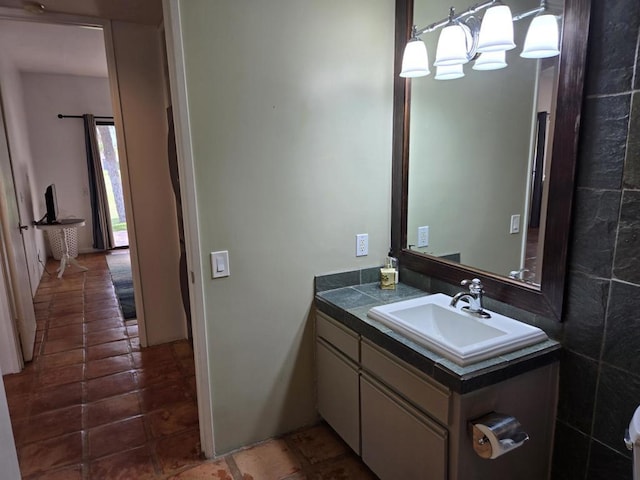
pixel 94 405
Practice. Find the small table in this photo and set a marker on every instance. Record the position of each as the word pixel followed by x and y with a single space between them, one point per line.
pixel 64 226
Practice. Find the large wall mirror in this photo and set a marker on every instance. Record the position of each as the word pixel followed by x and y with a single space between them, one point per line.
pixel 484 164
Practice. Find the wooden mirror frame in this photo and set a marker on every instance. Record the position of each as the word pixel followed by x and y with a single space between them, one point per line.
pixel 548 299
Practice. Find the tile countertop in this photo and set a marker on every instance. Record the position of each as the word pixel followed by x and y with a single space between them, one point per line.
pixel 349 305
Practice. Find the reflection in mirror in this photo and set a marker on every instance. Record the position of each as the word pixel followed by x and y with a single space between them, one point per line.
pixel 474 157
pixel 470 153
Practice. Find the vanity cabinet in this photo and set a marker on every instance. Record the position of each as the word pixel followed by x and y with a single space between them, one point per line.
pixel 398 441
pixel 404 424
pixel 338 379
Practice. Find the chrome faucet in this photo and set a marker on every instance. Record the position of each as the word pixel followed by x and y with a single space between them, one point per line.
pixel 473 296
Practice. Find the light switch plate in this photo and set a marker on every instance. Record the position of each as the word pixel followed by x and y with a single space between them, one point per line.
pixel 515 224
pixel 220 264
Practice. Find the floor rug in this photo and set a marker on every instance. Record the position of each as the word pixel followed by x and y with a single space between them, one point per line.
pixel 120 268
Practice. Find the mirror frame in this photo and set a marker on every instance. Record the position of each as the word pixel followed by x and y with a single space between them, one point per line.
pixel 548 299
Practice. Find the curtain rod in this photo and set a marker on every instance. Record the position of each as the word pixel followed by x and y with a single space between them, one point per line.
pixel 80 116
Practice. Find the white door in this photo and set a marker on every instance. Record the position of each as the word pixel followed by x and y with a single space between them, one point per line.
pixel 19 285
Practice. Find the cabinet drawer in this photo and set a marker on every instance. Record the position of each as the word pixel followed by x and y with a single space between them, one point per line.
pixel 409 382
pixel 398 442
pixel 338 394
pixel 339 336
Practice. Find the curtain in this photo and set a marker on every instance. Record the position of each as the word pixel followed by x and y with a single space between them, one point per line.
pixel 101 220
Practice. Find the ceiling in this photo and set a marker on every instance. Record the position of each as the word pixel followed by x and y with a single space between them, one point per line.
pixel 64 49
pixel 58 49
pixel 137 11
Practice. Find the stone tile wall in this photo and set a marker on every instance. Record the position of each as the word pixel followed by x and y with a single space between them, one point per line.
pixel 600 371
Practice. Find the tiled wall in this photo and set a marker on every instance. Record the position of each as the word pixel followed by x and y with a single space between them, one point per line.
pixel 600 372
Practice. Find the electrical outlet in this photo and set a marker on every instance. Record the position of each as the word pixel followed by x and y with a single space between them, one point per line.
pixel 423 236
pixel 515 224
pixel 362 244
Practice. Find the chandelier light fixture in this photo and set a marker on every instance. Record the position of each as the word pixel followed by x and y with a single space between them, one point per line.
pixel 466 37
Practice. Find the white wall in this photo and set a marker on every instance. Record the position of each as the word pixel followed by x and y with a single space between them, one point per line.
pixel 291 107
pixel 142 95
pixel 58 145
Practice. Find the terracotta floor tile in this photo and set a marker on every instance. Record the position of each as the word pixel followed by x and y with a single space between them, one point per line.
pixel 269 461
pixel 187 366
pixel 69 357
pixel 42 298
pixel 318 443
pixel 67 473
pixel 19 383
pixel 99 288
pixel 348 467
pixel 112 409
pixel 133 464
pixel 106 336
pixel 135 344
pixel 19 405
pixel 109 302
pixel 182 349
pixel 109 386
pixel 102 314
pixel 178 417
pixel 179 451
pixel 63 344
pixel 65 320
pixel 105 350
pixel 107 366
pixel 103 324
pixel 191 383
pixel 48 425
pixel 154 356
pixel 158 374
pixel 160 396
pixel 62 375
pixel 66 299
pixel 116 437
pixel 36 458
pixel 65 331
pixel 63 300
pixel 56 397
pixel 218 470
pixel 66 310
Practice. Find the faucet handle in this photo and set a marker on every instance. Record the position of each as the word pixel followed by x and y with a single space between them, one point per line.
pixel 475 285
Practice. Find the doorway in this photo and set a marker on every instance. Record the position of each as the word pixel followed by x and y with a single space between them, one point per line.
pixel 108 145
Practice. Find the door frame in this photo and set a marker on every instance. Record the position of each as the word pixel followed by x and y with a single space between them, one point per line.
pixel 175 59
pixel 182 125
pixel 76 20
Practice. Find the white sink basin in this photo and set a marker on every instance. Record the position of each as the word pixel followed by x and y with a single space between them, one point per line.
pixel 453 333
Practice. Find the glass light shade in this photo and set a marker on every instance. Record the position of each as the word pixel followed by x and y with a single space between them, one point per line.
pixel 490 61
pixel 449 72
pixel 415 61
pixel 452 46
pixel 542 38
pixel 496 31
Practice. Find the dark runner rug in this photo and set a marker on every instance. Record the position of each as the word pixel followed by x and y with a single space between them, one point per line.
pixel 120 268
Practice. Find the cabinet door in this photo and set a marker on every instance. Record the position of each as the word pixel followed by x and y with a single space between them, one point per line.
pixel 397 440
pixel 339 394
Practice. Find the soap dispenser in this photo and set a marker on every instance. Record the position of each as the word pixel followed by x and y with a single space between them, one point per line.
pixel 389 274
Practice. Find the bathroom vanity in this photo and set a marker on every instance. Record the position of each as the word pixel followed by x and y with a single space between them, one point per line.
pixel 408 411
